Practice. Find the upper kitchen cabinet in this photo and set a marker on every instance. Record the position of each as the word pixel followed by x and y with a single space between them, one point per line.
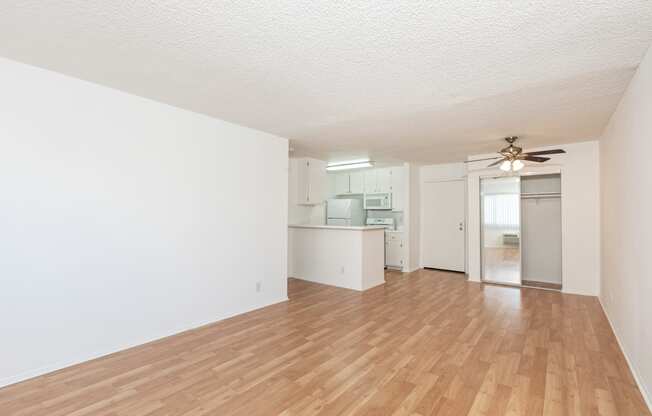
pixel 383 179
pixel 347 183
pixel 311 181
pixel 377 180
pixel 371 181
pixel 356 182
pixel 341 183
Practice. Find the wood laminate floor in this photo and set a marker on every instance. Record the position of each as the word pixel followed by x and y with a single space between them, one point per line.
pixel 427 343
pixel 502 265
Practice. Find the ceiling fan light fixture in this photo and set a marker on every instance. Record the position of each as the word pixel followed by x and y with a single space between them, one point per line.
pixel 511 157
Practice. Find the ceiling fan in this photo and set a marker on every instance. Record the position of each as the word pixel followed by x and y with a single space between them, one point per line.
pixel 511 157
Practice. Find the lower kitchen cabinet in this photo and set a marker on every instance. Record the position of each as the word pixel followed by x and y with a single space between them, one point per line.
pixel 394 252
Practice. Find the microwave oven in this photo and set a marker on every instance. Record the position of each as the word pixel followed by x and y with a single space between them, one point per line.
pixel 378 201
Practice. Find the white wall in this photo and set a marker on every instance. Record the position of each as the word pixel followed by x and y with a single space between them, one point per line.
pixel 124 220
pixel 413 217
pixel 626 181
pixel 442 172
pixel 580 188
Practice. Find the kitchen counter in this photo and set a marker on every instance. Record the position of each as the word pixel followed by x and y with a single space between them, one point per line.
pixel 339 227
pixel 348 257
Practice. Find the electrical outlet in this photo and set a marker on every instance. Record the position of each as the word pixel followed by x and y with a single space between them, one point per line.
pixel 259 285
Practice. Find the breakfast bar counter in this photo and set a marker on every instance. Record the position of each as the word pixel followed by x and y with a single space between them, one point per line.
pixel 342 256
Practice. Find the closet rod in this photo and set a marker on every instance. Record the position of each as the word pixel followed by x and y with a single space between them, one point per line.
pixel 537 196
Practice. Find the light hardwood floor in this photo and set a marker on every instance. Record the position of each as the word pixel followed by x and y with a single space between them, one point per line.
pixel 427 343
pixel 502 265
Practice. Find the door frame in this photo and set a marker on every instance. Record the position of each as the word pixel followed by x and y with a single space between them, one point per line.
pixel 464 225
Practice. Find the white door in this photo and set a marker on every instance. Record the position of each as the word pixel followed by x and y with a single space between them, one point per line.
pixel 443 225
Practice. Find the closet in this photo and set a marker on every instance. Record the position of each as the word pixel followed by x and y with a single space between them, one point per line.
pixel 521 230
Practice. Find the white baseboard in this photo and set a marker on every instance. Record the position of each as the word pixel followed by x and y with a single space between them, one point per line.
pixel 646 395
pixel 26 375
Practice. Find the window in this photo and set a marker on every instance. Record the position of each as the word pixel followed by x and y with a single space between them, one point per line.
pixel 501 210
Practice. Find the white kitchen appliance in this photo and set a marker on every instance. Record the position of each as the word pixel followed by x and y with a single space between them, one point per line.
pixel 388 223
pixel 381 200
pixel 346 212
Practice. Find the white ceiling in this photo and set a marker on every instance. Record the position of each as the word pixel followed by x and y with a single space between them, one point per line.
pixel 420 81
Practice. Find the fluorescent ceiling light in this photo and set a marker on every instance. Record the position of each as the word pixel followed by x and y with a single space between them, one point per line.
pixel 354 164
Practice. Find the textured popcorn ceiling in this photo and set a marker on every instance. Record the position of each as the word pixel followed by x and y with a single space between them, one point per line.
pixel 425 81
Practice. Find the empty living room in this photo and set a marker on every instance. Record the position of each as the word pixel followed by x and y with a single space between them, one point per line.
pixel 252 208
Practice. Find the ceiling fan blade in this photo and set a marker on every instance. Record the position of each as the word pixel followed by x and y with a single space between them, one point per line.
pixel 546 152
pixel 497 162
pixel 480 160
pixel 534 158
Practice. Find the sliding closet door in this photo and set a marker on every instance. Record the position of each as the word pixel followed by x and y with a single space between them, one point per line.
pixel 541 231
pixel 501 234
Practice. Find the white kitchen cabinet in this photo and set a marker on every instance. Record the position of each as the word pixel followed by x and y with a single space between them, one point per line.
pixel 342 184
pixel 370 181
pixel 387 180
pixel 394 250
pixel 346 183
pixel 384 180
pixel 356 182
pixel 311 182
pixel 378 180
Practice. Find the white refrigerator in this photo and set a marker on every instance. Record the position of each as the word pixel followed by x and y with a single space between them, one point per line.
pixel 345 212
